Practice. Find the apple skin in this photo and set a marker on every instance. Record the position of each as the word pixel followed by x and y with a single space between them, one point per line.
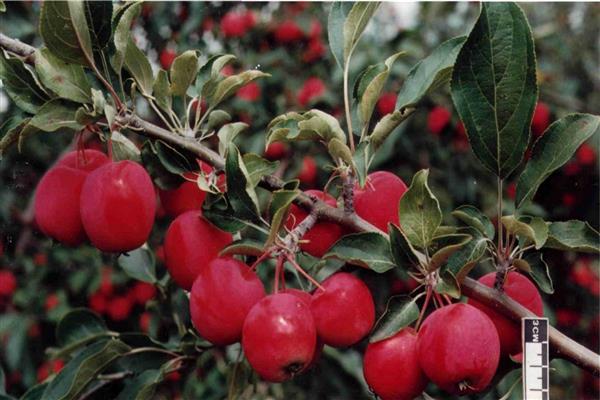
pixel 378 201
pixel 186 197
pixel 459 349
pixel 222 295
pixel 191 243
pixel 87 160
pixel 118 206
pixel 391 367
pixel 524 292
pixel 323 234
pixel 57 203
pixel 279 337
pixel 345 312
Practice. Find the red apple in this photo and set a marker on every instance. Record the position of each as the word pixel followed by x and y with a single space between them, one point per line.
pixel 378 202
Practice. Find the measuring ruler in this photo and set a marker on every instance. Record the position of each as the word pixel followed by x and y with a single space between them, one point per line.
pixel 536 383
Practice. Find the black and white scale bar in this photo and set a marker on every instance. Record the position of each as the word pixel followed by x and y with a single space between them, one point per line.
pixel 536 382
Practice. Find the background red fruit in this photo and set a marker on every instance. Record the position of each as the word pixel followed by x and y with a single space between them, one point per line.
pixel 118 206
pixel 386 103
pixel 235 23
pixel 308 172
pixel 279 337
pixel 49 367
pixel 186 197
pixel 98 302
pixel 586 155
pixel 540 120
pixel 57 205
pixel 167 56
pixel 119 308
pixel 86 160
pixel 288 32
pixel 438 119
pixel 391 367
pixel 459 349
pixel 191 242
pixel 222 295
pixel 276 151
pixel 142 292
pixel 523 291
pixel 312 89
pixel 378 201
pixel 344 312
pixel 250 92
pixel 8 283
pixel 52 301
pixel 323 234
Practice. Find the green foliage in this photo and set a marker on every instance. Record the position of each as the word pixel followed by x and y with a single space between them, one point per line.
pixel 369 250
pixel 398 315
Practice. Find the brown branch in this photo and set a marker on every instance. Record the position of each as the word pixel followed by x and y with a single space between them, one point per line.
pixel 562 346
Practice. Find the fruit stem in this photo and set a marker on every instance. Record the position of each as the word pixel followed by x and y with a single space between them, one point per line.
pixel 424 308
pixel 438 298
pixel 278 268
pixel 301 270
pixel 260 259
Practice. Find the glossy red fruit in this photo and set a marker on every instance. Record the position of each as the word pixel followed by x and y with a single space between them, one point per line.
pixel 8 283
pixel 222 296
pixel 323 234
pixel 186 197
pixel 279 337
pixel 86 160
pixel 191 243
pixel 344 312
pixel 57 205
pixel 378 202
pixel 459 349
pixel 523 291
pixel 391 367
pixel 308 172
pixel 438 119
pixel 276 151
pixel 118 206
pixel 540 120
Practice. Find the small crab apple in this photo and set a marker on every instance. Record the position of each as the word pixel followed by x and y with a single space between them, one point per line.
pixel 250 92
pixel 56 207
pixel 8 283
pixel 288 32
pixel 118 206
pixel 222 295
pixel 523 291
pixel 276 151
pixel 191 243
pixel 391 367
pixel 344 311
pixel 378 202
pixel 540 120
pixel 312 89
pixel 119 308
pixel 85 160
pixel 186 197
pixel 279 337
pixel 586 155
pixel 167 56
pixel 322 235
pixel 386 103
pixel 459 349
pixel 438 119
pixel 308 172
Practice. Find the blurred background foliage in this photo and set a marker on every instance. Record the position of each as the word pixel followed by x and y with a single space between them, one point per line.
pixel 41 280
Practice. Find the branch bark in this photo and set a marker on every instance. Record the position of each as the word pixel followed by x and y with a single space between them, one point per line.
pixel 562 346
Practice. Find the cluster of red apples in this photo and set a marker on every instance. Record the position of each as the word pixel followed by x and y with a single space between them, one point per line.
pixel 86 196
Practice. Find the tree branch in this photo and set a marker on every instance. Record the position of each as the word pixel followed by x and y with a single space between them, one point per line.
pixel 561 345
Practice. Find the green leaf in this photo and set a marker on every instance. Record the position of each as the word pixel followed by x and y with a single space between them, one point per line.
pixel 161 177
pixel 280 204
pixel 370 85
pixel 11 132
pixel 404 255
pixel 552 150
pixel 123 148
pixel 80 371
pixel 217 119
pixel 240 191
pixel 258 167
pixel 430 73
pixel 573 235
pixel 522 265
pixel 35 393
pixel 210 72
pixel 539 272
pixel 385 127
pixel 338 150
pixel 99 18
pixel 228 133
pixel 355 23
pixel 398 315
pixel 66 80
pixel 218 210
pixel 494 86
pixel 142 386
pixel 319 124
pixel 162 92
pixel 56 114
pixel 228 86
pixel 21 84
pixel 462 261
pixel 362 159
pixel 122 20
pixel 443 247
pixel 78 328
pixel 173 159
pixel 534 229
pixel 246 247
pixel 2 6
pixel 335 29
pixel 139 67
pixel 420 213
pixel 473 217
pixel 183 72
pixel 368 249
pixel 139 264
pixel 65 32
